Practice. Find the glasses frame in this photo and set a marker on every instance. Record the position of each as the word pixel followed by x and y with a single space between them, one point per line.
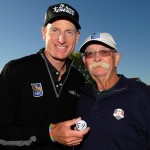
pixel 102 53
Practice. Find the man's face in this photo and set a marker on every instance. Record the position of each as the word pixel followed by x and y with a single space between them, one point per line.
pixel 101 61
pixel 60 38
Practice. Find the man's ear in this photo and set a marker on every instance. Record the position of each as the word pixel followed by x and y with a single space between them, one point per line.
pixel 117 59
pixel 43 30
pixel 83 58
pixel 77 36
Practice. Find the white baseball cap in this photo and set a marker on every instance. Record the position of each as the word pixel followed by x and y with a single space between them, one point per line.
pixel 102 38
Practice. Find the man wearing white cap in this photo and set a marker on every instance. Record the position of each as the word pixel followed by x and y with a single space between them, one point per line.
pixel 116 109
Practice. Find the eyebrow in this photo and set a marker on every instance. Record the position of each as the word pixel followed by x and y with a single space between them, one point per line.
pixel 98 50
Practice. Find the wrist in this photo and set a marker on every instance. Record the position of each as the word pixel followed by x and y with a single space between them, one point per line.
pixel 50 132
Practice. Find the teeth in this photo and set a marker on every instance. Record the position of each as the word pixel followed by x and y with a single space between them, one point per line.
pixel 61 47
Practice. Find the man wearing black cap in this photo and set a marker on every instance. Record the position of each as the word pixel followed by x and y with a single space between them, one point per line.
pixel 38 92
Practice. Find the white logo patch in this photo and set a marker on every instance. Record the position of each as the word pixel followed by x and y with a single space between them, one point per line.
pixel 118 114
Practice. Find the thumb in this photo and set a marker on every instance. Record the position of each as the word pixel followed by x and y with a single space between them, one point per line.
pixel 73 121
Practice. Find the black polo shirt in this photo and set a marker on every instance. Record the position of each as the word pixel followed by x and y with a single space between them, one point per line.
pixel 55 74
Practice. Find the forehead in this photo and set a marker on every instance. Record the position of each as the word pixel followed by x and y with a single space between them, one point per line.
pixel 97 47
pixel 62 23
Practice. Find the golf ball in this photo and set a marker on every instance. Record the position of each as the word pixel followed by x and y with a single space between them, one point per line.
pixel 81 125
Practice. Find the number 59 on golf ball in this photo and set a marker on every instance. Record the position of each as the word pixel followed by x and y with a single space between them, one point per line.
pixel 81 125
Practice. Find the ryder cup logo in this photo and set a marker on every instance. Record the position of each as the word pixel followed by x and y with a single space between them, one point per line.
pixel 37 89
pixel 118 114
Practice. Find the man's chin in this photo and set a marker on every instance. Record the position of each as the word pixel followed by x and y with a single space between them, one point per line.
pixel 59 59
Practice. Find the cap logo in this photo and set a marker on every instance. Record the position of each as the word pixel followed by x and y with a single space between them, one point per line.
pixel 95 36
pixel 63 8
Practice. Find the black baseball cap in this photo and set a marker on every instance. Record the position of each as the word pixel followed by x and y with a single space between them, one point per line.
pixel 62 11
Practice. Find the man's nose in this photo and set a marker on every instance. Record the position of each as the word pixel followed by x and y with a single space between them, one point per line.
pixel 97 56
pixel 62 38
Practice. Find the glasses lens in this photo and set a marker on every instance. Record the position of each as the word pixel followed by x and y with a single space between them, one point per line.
pixel 102 53
pixel 89 54
pixel 105 53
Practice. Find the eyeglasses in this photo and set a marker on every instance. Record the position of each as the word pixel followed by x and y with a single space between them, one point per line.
pixel 102 53
pixel 68 33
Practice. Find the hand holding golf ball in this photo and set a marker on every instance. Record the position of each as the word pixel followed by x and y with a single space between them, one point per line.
pixel 81 125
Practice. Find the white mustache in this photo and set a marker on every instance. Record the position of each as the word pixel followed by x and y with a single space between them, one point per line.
pixel 100 64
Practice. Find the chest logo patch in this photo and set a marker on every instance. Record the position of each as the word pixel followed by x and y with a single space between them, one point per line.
pixel 118 114
pixel 37 89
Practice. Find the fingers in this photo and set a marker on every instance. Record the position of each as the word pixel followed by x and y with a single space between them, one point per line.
pixel 85 131
pixel 74 142
pixel 77 138
pixel 72 122
pixel 68 123
pixel 63 134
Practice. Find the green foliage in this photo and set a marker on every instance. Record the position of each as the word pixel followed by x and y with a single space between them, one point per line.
pixel 79 65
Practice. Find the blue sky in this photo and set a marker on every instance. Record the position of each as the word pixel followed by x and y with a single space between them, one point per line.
pixel 128 21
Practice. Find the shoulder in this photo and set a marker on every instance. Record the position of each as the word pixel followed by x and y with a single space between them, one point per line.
pixel 137 84
pixel 139 88
pixel 28 60
pixel 78 77
pixel 132 84
pixel 74 70
pixel 87 88
pixel 21 64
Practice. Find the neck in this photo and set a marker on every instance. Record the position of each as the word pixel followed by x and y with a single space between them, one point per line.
pixel 105 84
pixel 57 63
